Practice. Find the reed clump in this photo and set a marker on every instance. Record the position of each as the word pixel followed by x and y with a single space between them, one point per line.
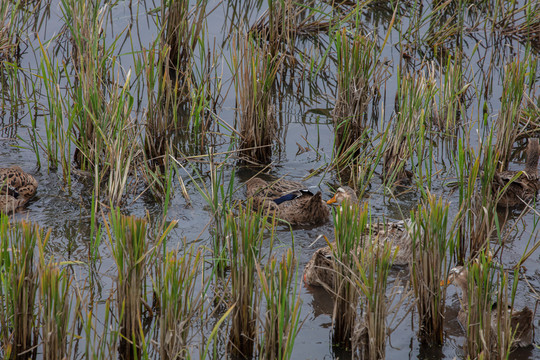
pixel 359 77
pixel 255 70
pixel 429 263
pixel 281 320
pixel 179 302
pixel 20 284
pixel 350 220
pixel 372 266
pixel 413 107
pixel 508 121
pixel 245 232
pixel 131 252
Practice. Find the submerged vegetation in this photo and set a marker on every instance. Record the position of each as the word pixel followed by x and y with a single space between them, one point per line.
pixel 144 122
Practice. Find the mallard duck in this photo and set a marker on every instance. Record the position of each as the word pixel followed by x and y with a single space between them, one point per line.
pixel 16 188
pixel 319 270
pixel 521 322
pixel 291 201
pixel 525 187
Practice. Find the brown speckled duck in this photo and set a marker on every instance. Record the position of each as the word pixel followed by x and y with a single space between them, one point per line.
pixel 319 270
pixel 16 188
pixel 521 322
pixel 290 201
pixel 523 189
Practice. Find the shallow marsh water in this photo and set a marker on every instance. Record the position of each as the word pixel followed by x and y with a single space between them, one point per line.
pixel 305 120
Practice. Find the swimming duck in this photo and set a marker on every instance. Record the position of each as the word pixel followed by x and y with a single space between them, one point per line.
pixel 521 322
pixel 16 188
pixel 291 201
pixel 526 186
pixel 319 270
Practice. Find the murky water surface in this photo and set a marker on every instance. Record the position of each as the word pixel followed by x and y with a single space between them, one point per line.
pixel 305 120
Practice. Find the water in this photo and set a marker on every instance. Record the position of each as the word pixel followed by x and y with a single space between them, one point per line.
pixel 304 115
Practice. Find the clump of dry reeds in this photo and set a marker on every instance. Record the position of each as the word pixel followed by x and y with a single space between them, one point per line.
pixel 429 235
pixel 255 71
pixel 350 221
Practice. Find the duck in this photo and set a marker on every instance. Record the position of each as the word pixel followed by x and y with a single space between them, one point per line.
pixel 521 322
pixel 16 188
pixel 291 201
pixel 525 187
pixel 319 270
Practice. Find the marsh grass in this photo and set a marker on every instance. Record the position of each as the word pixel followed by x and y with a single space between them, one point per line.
pixel 19 287
pixel 413 108
pixel 132 253
pixel 480 294
pixel 179 303
pixel 281 320
pixel 245 233
pixel 254 73
pixel 56 306
pixel 451 106
pixel 476 220
pixel 508 121
pixel 431 244
pixel 350 220
pixel 372 266
pixel 359 77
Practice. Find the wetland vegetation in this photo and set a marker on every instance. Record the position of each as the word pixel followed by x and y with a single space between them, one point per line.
pixel 143 121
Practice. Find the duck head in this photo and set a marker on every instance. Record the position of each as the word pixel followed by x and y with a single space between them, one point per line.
pixel 343 193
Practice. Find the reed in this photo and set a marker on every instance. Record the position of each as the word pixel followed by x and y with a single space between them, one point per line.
pixel 359 78
pixel 245 232
pixel 479 299
pixel 452 94
pixel 476 220
pixel 18 293
pixel 55 310
pixel 254 72
pixel 281 320
pixel 429 236
pixel 350 220
pixel 413 107
pixel 372 267
pixel 508 120
pixel 179 302
pixel 129 247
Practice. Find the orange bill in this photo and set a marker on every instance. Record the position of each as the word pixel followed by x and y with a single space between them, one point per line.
pixel 332 200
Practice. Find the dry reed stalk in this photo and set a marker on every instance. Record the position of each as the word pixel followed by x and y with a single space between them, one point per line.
pixel 255 72
pixel 430 246
pixel 350 220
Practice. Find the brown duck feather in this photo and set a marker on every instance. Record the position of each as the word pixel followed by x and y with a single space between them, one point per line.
pixel 303 209
pixel 16 188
